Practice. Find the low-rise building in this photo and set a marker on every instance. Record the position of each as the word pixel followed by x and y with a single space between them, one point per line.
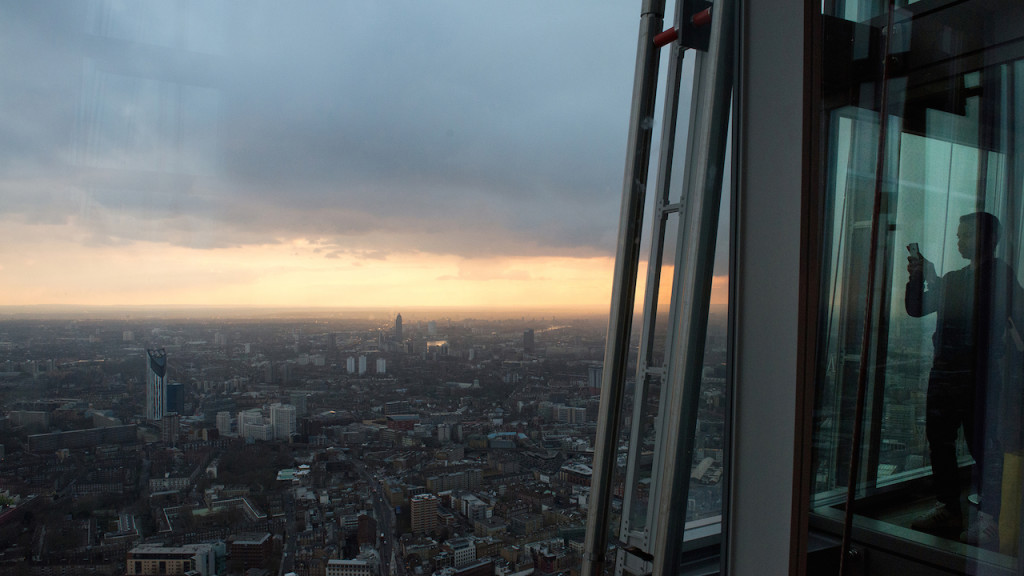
pixel 149 559
pixel 463 550
pixel 351 567
pixel 493 526
pixel 250 550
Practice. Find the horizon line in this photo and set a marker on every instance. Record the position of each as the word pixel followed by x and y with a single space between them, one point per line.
pixel 64 310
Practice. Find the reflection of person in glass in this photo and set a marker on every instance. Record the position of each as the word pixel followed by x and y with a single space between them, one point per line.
pixel 973 313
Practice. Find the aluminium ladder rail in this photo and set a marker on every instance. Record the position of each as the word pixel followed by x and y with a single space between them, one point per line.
pixel 661 542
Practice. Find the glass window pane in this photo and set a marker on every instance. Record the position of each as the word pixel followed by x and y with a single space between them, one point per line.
pixel 920 288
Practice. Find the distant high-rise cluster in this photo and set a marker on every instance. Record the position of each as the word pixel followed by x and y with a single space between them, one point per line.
pixel 360 365
pixel 156 384
pixel 252 424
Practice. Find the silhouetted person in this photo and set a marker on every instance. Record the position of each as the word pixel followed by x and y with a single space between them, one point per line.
pixel 973 306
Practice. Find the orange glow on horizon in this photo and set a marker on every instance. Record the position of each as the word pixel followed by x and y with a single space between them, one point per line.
pixel 70 271
pixel 288 274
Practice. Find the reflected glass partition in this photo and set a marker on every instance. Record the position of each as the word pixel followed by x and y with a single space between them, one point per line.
pixel 920 357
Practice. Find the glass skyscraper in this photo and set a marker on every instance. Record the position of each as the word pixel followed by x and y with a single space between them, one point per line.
pixel 854 168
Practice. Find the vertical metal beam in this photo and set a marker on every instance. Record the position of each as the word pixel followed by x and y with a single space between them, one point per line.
pixel 691 292
pixel 764 285
pixel 627 255
pixel 813 260
pixel 652 295
pixel 862 373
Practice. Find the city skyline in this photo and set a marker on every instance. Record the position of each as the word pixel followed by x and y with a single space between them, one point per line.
pixel 288 430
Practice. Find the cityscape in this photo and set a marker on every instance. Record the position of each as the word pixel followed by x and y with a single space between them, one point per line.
pixel 317 444
pixel 415 288
pixel 279 301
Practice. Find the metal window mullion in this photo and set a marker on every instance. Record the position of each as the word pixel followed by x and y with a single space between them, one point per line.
pixel 705 167
pixel 623 286
pixel 651 294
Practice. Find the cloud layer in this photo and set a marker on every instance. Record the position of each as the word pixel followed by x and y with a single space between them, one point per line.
pixel 473 129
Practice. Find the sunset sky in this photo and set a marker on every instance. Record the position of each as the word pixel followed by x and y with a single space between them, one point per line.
pixel 313 154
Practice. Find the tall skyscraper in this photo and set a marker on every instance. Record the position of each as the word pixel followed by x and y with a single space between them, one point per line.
pixel 362 365
pixel 398 328
pixel 156 383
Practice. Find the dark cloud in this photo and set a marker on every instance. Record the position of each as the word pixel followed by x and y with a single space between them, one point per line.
pixel 452 127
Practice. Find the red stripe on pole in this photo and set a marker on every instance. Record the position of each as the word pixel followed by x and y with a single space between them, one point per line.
pixel 666 37
pixel 702 18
